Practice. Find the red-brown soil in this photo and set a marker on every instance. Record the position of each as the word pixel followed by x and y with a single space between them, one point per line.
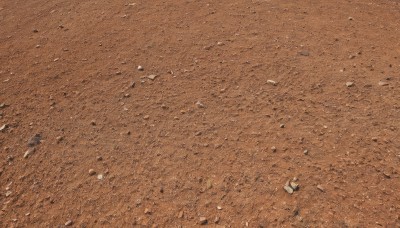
pixel 66 69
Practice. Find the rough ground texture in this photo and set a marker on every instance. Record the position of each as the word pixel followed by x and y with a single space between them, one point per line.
pixel 66 69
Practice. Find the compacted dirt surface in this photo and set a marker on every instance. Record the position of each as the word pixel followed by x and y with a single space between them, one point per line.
pixel 234 99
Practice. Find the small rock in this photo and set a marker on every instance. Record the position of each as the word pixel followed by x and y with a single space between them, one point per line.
pixel 146 117
pixel 93 123
pixel 29 152
pixel 59 139
pixel 8 193
pixel 147 211
pixel 381 83
pixel 200 105
pixel 180 215
pixel 305 152
pixel 35 140
pixel 274 83
pixel 282 126
pixel 4 127
pixel 294 185
pixel 304 53
pixel 349 84
pixel 350 18
pixel 68 223
pixel 220 43
pixel 375 139
pixel 99 158
pixel 197 133
pixel 273 149
pixel 216 220
pixel 3 105
pixel 92 172
pixel 219 207
pixel 203 221
pixel 140 68
pixel 152 76
pixel 321 188
pixel 118 73
pixel 35 30
pixel 132 85
pixel 288 189
pixel 100 176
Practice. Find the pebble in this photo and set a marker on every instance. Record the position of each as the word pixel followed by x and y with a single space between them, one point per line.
pixel 288 189
pixel 180 215
pixel 29 152
pixel 132 85
pixel 349 84
pixel 146 117
pixel 203 221
pixel 2 128
pixel 92 172
pixel 68 223
pixel 321 188
pixel 350 18
pixel 147 211
pixel 140 68
pixel 35 140
pixel 381 83
pixel 282 126
pixel 152 76
pixel 99 158
pixel 273 149
pixel 200 105
pixel 219 207
pixel 59 139
pixel 305 152
pixel 8 193
pixel 100 176
pixel 294 185
pixel 274 83
pixel 304 53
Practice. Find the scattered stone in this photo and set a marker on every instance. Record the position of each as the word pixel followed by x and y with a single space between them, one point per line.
pixel 288 189
pixel 305 152
pixel 140 68
pixel 381 83
pixel 68 223
pixel 35 30
pixel 92 172
pixel 152 76
pixel 387 175
pixel 197 133
pixel 99 158
pixel 146 117
pixel 294 185
pixel 273 149
pixel 4 127
pixel 147 211
pixel 350 18
pixel 220 43
pixel 3 105
pixel 209 184
pixel 282 126
pixel 203 221
pixel 304 53
pixel 349 84
pixel 352 56
pixel 35 140
pixel 93 123
pixel 375 139
pixel 118 73
pixel 59 139
pixel 274 83
pixel 29 152
pixel 8 193
pixel 100 176
pixel 200 105
pixel 132 85
pixel 219 207
pixel 320 188
pixel 216 220
pixel 180 215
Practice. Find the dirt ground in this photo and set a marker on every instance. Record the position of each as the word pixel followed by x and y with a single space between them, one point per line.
pixel 199 136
